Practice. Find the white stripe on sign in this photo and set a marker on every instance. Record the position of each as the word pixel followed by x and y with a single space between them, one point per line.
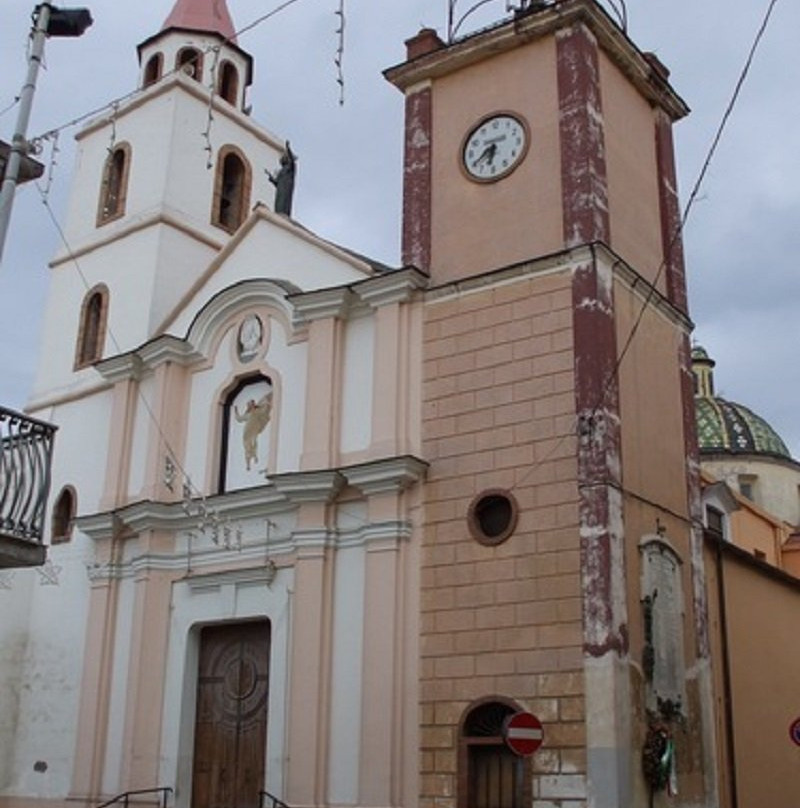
pixel 526 734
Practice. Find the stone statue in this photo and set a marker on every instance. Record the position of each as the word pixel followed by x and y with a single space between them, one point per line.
pixel 283 180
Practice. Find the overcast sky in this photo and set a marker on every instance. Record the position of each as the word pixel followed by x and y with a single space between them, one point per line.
pixel 742 240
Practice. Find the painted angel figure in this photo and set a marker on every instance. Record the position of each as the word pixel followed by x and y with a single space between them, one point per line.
pixel 255 419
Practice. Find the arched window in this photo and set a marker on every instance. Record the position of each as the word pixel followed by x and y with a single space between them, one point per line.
pixel 152 70
pixel 228 82
pixel 114 188
pixel 63 516
pixel 490 774
pixel 231 189
pixel 247 433
pixel 92 332
pixel 190 61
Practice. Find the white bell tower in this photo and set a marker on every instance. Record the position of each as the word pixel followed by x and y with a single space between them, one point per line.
pixel 163 181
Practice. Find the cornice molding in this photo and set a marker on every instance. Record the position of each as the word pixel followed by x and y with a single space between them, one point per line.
pixel 308 486
pixel 381 476
pixel 321 304
pixel 182 83
pixel 565 261
pixel 647 79
pixel 397 286
pixel 283 492
pixel 126 227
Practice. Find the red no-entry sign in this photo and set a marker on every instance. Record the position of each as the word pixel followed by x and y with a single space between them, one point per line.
pixel 523 733
pixel 794 731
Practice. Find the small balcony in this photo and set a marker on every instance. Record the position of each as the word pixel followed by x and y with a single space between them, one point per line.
pixel 26 449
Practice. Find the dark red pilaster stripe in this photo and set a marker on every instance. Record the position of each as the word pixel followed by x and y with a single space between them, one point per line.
pixel 599 457
pixel 669 204
pixel 416 247
pixel 583 164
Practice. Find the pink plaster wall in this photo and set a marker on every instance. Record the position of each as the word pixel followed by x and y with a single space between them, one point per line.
pixel 630 142
pixel 480 226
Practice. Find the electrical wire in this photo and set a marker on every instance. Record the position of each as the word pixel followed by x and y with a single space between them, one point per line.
pixel 9 107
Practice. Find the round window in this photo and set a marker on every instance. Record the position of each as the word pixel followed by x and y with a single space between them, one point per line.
pixel 492 516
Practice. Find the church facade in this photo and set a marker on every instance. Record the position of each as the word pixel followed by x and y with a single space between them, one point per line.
pixel 319 527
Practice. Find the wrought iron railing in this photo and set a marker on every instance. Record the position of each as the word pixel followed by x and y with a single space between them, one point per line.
pixel 267 800
pixel 26 447
pixel 125 797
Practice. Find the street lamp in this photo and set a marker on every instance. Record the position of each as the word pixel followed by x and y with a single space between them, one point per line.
pixel 48 21
pixel 68 21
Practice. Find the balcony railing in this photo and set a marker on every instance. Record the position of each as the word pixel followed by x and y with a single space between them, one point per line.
pixel 26 448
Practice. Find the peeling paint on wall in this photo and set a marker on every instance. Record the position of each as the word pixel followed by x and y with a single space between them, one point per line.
pixel 583 163
pixel 416 247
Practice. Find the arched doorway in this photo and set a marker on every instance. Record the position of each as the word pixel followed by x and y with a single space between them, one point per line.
pixel 490 774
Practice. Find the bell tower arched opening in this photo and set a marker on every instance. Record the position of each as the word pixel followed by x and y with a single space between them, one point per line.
pixel 153 70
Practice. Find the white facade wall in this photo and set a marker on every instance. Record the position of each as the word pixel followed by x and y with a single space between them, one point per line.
pixel 44 664
pixel 775 483
pixel 50 671
pixel 16 595
pixel 346 676
pixel 357 384
pixel 131 285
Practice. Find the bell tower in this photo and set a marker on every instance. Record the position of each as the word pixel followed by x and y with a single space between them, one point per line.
pixel 594 155
pixel 165 179
pixel 540 197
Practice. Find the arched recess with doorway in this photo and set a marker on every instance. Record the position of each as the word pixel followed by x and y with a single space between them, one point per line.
pixel 490 775
pixel 231 715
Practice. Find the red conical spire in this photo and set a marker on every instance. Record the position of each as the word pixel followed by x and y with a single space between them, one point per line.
pixel 202 15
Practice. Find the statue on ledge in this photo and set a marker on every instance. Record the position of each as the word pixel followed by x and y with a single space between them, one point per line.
pixel 283 180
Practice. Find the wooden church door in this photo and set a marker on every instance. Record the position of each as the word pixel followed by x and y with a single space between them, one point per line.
pixel 231 722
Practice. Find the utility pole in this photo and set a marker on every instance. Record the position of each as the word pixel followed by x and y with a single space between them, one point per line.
pixel 49 21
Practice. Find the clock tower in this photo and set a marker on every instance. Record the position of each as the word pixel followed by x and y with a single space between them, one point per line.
pixel 562 552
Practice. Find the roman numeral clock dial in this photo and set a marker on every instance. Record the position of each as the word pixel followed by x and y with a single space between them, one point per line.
pixel 494 147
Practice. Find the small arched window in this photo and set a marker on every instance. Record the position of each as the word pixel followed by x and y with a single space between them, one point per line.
pixel 114 188
pixel 152 70
pixel 231 189
pixel 490 774
pixel 92 332
pixel 190 62
pixel 63 517
pixel 228 82
pixel 247 433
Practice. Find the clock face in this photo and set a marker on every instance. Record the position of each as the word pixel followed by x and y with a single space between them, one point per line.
pixel 495 147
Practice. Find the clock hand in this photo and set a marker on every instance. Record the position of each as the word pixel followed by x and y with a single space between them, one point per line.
pixel 487 155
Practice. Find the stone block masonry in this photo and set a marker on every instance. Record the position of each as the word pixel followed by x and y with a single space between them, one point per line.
pixel 504 620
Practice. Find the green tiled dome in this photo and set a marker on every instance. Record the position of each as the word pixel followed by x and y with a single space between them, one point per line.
pixel 724 426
